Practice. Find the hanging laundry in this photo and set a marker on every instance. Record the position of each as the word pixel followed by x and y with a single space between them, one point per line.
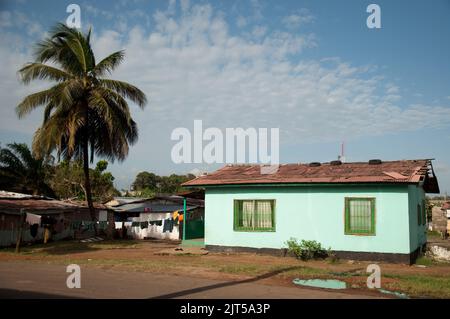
pixel 135 224
pixel 88 225
pixel 47 221
pixel 144 225
pixel 103 225
pixel 156 222
pixel 103 216
pixel 75 225
pixel 180 218
pixel 33 219
pixel 175 215
pixel 34 230
pixel 168 225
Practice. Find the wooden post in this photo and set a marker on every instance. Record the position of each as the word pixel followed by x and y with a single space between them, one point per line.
pixel 19 235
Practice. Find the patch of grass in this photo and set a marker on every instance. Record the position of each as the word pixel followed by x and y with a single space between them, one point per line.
pixel 425 261
pixel 433 234
pixel 241 269
pixel 302 271
pixel 421 286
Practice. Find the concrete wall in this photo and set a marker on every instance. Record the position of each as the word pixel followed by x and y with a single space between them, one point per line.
pixel 315 213
pixel 418 233
pixel 439 219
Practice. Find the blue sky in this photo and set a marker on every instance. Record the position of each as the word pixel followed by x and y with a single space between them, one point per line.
pixel 311 68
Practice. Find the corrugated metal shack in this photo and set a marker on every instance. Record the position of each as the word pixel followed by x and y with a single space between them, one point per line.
pixel 160 217
pixel 64 219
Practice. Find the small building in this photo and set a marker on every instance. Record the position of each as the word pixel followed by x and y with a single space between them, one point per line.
pixel 64 219
pixel 439 218
pixel 365 210
pixel 161 217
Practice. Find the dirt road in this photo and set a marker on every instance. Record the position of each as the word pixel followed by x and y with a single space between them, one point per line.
pixel 39 280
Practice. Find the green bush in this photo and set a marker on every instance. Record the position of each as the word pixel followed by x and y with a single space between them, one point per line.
pixel 306 249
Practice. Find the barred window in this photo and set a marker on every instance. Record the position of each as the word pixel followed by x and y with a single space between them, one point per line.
pixel 359 216
pixel 254 215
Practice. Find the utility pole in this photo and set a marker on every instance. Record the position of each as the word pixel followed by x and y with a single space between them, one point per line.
pixel 19 235
pixel 184 219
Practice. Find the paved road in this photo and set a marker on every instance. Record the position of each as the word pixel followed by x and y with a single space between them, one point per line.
pixel 37 280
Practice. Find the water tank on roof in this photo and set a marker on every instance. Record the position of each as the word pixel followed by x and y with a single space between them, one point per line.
pixel 374 162
pixel 314 164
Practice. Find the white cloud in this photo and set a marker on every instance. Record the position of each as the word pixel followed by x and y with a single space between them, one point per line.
pixel 241 21
pixel 259 31
pixel 192 67
pixel 18 20
pixel 295 20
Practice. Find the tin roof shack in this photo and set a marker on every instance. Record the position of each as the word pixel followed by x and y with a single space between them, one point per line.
pixel 365 210
pixel 64 219
pixel 161 217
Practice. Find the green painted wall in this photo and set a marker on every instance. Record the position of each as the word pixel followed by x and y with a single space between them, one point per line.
pixel 418 233
pixel 315 213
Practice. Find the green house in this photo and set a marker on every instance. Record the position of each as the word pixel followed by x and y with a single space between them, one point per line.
pixel 366 210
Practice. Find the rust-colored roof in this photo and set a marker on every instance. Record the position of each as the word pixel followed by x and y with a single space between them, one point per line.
pixel 11 205
pixel 404 171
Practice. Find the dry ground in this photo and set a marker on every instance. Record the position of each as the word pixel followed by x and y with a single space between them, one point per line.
pixel 431 279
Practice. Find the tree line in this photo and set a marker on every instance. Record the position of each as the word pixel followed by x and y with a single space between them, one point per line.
pixel 22 172
pixel 147 184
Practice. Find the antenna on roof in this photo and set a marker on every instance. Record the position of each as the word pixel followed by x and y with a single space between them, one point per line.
pixel 342 157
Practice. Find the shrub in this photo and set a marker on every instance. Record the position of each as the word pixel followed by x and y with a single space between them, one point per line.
pixel 306 249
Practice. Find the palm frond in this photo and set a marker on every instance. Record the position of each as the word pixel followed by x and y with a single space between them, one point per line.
pixel 24 153
pixel 33 71
pixel 109 63
pixel 63 94
pixel 125 89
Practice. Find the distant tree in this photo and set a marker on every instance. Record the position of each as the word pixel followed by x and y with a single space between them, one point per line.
pixel 146 180
pixel 21 172
pixel 68 181
pixel 145 193
pixel 150 183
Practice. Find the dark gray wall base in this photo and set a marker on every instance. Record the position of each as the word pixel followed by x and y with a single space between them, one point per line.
pixel 384 257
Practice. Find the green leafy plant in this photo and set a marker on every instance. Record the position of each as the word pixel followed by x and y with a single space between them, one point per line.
pixel 306 249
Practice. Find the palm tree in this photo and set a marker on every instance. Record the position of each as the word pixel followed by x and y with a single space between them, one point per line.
pixel 85 113
pixel 21 172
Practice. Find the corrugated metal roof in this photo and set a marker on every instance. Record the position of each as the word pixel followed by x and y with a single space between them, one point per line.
pixel 36 205
pixel 404 171
pixel 150 208
pixel 14 202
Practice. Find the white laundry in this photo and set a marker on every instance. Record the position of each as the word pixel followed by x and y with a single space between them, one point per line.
pixel 33 219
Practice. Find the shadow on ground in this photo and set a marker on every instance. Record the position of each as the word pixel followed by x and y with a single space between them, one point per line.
pixel 71 246
pixel 22 294
pixel 224 284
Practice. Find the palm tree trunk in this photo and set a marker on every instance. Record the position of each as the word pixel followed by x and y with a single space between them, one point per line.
pixel 87 184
